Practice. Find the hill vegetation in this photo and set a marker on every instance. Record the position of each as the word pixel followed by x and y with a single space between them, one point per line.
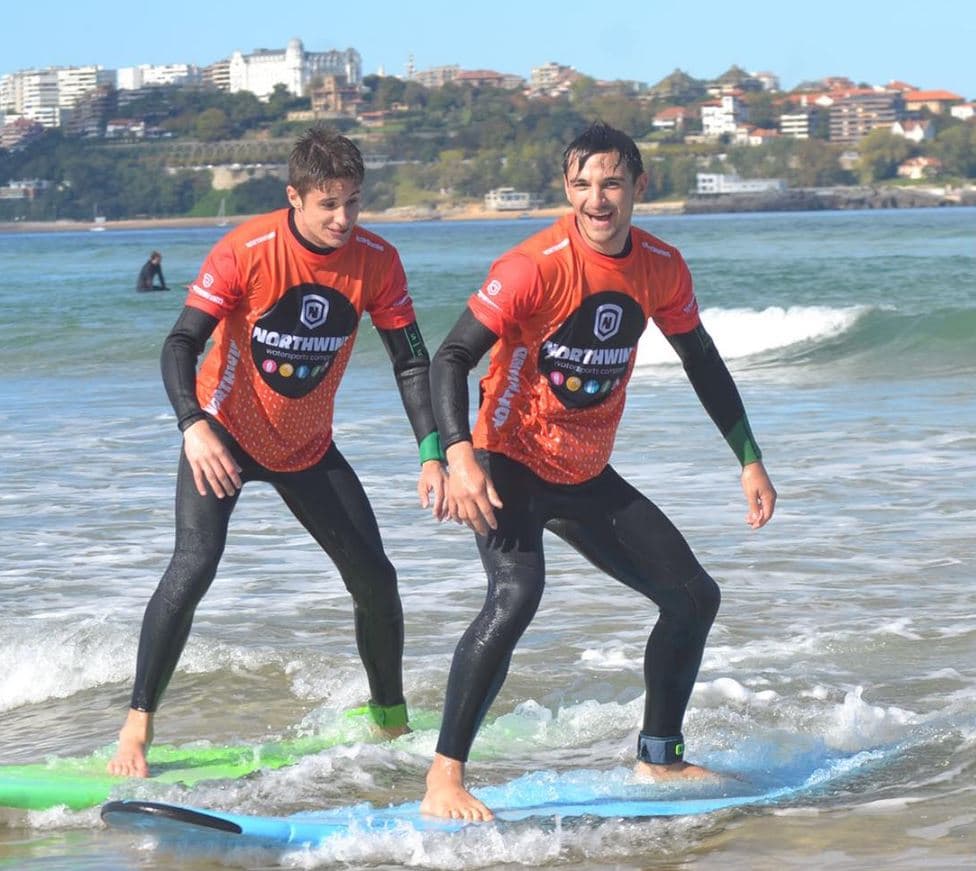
pixel 434 148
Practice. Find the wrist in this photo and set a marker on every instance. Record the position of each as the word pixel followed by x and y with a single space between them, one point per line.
pixel 743 443
pixel 185 422
pixel 430 448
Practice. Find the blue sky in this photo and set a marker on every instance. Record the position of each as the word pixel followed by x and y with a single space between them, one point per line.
pixel 928 44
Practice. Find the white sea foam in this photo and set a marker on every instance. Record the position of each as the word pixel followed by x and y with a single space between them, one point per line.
pixel 744 332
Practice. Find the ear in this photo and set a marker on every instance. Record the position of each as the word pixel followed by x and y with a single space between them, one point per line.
pixel 294 199
pixel 640 187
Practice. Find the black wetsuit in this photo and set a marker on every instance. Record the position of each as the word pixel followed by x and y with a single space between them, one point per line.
pixel 149 272
pixel 608 521
pixel 328 500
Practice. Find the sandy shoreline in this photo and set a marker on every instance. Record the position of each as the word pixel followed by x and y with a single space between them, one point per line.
pixel 470 213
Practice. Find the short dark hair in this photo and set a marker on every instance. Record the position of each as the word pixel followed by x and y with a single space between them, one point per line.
pixel 600 138
pixel 320 156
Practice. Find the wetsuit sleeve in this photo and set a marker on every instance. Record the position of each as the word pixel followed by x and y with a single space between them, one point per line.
pixel 713 383
pixel 464 346
pixel 411 368
pixel 178 361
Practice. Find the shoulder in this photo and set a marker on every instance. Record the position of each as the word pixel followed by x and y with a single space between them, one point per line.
pixel 371 244
pixel 553 239
pixel 251 237
pixel 655 248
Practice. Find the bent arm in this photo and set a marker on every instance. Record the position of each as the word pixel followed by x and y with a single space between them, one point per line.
pixel 712 381
pixel 468 341
pixel 178 361
pixel 472 498
pixel 411 368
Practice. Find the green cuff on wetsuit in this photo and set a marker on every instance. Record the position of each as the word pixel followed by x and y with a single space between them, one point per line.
pixel 388 716
pixel 743 443
pixel 430 448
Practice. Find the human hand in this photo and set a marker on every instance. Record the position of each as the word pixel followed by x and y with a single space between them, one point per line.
pixel 760 494
pixel 471 495
pixel 210 461
pixel 433 483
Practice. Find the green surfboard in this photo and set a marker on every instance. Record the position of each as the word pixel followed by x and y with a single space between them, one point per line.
pixel 82 782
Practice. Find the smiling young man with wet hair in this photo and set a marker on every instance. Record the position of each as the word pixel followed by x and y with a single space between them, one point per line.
pixel 281 297
pixel 562 314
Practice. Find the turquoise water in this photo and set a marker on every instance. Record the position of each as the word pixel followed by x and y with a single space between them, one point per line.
pixel 847 625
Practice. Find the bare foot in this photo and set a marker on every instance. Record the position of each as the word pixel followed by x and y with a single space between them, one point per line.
pixel 446 795
pixel 674 772
pixel 134 740
pixel 391 732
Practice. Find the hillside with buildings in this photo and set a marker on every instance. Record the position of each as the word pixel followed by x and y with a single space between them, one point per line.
pixel 176 139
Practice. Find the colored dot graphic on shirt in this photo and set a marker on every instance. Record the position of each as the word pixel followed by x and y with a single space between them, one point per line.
pixel 269 366
pixel 301 372
pixel 557 378
pixel 592 387
pixel 573 383
pixel 286 370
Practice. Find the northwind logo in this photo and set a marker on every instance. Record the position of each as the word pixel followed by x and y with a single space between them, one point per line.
pixel 315 310
pixel 606 322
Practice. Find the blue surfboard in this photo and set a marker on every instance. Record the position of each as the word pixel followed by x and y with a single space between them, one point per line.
pixel 544 795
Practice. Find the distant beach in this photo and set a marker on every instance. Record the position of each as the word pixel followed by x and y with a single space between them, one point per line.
pixel 406 214
pixel 792 200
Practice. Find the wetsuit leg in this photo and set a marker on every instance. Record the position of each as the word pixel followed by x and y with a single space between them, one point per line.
pixel 329 501
pixel 623 533
pixel 201 532
pixel 514 563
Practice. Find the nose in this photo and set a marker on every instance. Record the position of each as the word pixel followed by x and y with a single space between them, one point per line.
pixel 595 196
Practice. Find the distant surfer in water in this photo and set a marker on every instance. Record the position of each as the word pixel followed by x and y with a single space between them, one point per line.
pixel 562 314
pixel 151 270
pixel 281 297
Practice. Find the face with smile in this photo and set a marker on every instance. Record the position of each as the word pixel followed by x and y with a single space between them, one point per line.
pixel 325 216
pixel 602 194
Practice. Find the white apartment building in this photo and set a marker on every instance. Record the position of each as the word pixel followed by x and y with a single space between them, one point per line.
pixel 145 75
pixel 436 77
pixel 45 95
pixel 261 71
pixel 31 94
pixel 719 183
pixel 795 124
pixel 551 79
pixel 75 82
pixel 722 116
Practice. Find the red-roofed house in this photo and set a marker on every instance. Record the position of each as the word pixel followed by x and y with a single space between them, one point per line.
pixel 745 135
pixel 934 101
pixel 920 167
pixel 672 118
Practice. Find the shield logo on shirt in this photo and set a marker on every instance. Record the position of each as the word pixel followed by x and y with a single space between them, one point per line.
pixel 315 310
pixel 606 322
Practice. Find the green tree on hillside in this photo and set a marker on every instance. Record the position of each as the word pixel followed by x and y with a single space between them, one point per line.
pixel 880 154
pixel 956 148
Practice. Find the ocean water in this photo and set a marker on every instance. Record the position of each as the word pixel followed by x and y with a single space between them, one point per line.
pixel 848 624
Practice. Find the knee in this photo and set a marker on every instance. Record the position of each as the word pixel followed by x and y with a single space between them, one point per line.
pixel 706 597
pixel 373 585
pixel 514 603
